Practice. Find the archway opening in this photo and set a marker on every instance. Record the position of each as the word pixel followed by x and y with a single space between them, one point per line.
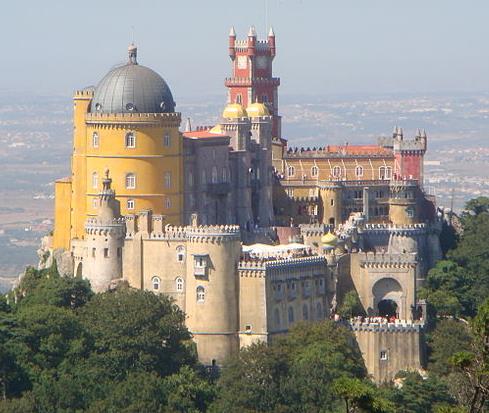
pixel 387 308
pixel 79 270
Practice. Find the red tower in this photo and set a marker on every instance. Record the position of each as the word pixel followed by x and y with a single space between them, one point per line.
pixel 252 79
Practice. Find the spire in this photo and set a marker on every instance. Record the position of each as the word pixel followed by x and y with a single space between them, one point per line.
pixel 271 33
pixel 252 32
pixel 232 32
pixel 395 131
pixel 188 126
pixel 418 133
pixel 424 134
pixel 133 53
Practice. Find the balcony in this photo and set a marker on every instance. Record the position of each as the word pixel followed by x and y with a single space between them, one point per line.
pixel 219 188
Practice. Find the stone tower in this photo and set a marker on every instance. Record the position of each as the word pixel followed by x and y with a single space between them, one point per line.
pixel 212 290
pixel 252 79
pixel 104 234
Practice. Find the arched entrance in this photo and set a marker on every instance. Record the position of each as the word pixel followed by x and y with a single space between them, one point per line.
pixel 79 270
pixel 388 298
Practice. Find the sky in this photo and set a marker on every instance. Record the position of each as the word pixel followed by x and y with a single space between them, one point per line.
pixel 325 47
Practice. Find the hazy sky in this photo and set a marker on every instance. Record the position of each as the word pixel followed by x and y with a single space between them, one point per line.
pixel 324 47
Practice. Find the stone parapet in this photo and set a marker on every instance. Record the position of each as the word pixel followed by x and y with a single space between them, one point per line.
pixel 383 260
pixel 148 119
pixel 400 326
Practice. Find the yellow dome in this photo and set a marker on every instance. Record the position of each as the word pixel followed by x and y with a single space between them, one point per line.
pixel 216 129
pixel 329 239
pixel 257 110
pixel 234 111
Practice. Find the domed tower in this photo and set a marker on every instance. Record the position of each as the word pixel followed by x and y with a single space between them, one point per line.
pixel 212 290
pixel 104 236
pixel 127 124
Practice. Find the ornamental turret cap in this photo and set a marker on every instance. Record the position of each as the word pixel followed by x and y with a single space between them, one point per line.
pixel 252 32
pixel 232 32
pixel 133 53
pixel 271 33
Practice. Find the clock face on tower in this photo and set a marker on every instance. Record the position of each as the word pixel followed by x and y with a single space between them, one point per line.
pixel 261 62
pixel 242 62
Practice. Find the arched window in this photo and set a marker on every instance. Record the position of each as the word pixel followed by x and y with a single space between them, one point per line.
pixel 203 177
pixel 200 294
pixel 319 311
pixel 314 171
pixel 277 317
pixel 180 253
pixel 290 171
pixel 214 175
pixel 168 179
pixel 130 181
pixel 388 172
pixel 291 314
pixel 239 99
pixel 179 284
pixel 359 171
pixel 336 171
pixel 95 140
pixel 190 178
pixel 130 140
pixel 130 204
pixel 305 312
pixel 224 175
pixel 94 180
pixel 167 202
pixel 166 139
pixel 155 281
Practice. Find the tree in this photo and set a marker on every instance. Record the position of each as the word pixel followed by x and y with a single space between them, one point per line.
pixel 351 306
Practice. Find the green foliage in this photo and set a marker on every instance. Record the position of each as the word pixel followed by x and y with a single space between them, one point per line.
pixel 351 306
pixel 420 395
pixel 292 375
pixel 448 338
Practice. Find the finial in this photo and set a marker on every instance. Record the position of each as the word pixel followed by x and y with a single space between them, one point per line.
pixel 424 134
pixel 106 173
pixel 271 33
pixel 252 32
pixel 133 53
pixel 418 133
pixel 107 180
pixel 232 32
pixel 394 132
pixel 188 126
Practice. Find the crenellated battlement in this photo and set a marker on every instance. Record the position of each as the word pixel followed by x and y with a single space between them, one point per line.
pixel 310 230
pixel 387 260
pixel 399 326
pixel 262 264
pixel 83 94
pixel 150 119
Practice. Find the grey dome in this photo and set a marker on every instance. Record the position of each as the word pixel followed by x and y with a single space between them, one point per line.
pixel 132 88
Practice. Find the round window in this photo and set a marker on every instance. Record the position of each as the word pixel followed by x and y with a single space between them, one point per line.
pixel 130 106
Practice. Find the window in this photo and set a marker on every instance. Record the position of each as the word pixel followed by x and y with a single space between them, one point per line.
pixel 224 175
pixel 106 253
pixel 200 294
pixel 155 281
pixel 167 179
pixel 180 253
pixel 277 317
pixel 203 177
pixel 336 171
pixel 167 202
pixel 94 202
pixel 358 194
pixel 94 180
pixel 130 204
pixel 167 139
pixel 385 172
pixel 130 140
pixel 239 98
pixel 291 314
pixel 314 171
pixel 383 355
pixel 290 192
pixel 305 312
pixel 93 252
pixel 130 181
pixel 332 202
pixel 214 175
pixel 190 179
pixel 290 171
pixel 119 252
pixel 179 284
pixel 359 171
pixel 95 140
pixel 319 311
pixel 410 212
pixel 264 98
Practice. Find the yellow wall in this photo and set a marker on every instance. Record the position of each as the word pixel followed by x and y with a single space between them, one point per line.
pixel 62 216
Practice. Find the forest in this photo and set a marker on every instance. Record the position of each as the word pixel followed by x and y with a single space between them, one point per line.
pixel 65 349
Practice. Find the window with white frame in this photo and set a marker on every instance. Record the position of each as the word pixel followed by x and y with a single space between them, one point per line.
pixel 214 175
pixel 180 253
pixel 200 294
pixel 336 171
pixel 239 98
pixel 290 171
pixel 289 192
pixel 384 355
pixel 130 140
pixel 410 212
pixel 179 284
pixel 130 204
pixel 95 140
pixel 167 179
pixel 385 172
pixel 167 202
pixel 359 171
pixel 166 139
pixel 314 171
pixel 155 282
pixel 94 180
pixel 130 181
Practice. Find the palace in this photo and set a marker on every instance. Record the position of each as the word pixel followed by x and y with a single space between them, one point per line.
pixel 247 235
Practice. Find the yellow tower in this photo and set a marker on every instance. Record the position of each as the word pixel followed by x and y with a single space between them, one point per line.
pixel 128 125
